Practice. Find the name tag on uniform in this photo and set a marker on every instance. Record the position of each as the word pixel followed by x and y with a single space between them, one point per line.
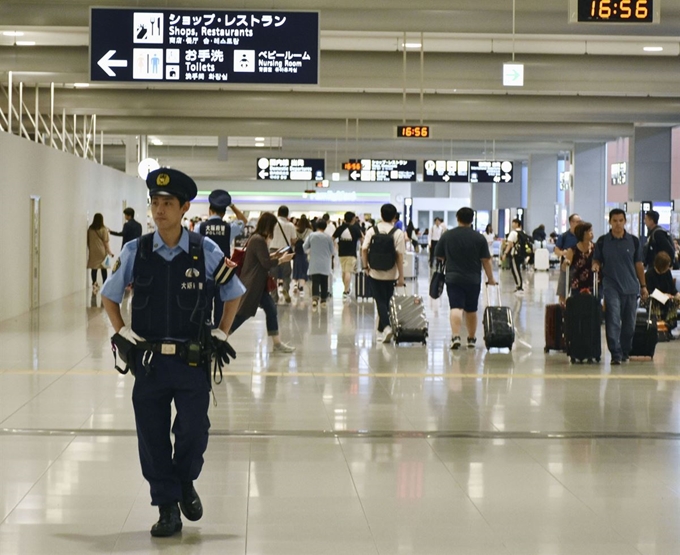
pixel 168 349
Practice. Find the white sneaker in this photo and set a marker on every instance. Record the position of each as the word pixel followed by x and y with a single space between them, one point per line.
pixel 387 334
pixel 283 348
pixel 519 292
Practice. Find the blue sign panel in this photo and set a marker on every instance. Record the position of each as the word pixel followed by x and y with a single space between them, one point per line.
pixel 204 46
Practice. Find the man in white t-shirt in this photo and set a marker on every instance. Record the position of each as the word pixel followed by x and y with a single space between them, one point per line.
pixel 433 237
pixel 284 235
pixel 382 280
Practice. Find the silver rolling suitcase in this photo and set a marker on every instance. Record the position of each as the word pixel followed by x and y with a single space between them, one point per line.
pixel 408 320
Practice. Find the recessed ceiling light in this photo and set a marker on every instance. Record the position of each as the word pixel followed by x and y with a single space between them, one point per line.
pixel 259 138
pixel 412 45
pixel 81 85
pixel 25 43
pixel 653 49
pixel 259 145
pixel 13 33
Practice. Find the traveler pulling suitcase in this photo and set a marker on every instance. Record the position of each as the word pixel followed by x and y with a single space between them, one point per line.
pixel 499 331
pixel 407 319
pixel 362 289
pixel 582 326
pixel 646 336
pixel 541 260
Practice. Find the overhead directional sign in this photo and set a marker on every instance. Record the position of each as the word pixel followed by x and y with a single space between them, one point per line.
pixel 291 169
pixel 513 75
pixel 204 46
pixel 382 170
pixel 464 171
pixel 455 171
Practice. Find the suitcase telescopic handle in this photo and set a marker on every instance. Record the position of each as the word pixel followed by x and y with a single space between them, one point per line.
pixel 498 293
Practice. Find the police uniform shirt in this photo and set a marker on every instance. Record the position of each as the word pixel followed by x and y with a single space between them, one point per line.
pixel 114 287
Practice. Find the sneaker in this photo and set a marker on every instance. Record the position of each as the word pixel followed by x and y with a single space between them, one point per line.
pixel 616 362
pixel 345 296
pixel 471 342
pixel 286 295
pixel 519 292
pixel 315 303
pixel 456 342
pixel 283 348
pixel 324 304
pixel 95 287
pixel 387 334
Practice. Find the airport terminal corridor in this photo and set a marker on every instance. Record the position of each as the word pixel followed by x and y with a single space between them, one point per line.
pixel 348 446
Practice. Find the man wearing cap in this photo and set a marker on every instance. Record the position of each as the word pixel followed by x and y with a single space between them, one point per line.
pixel 221 232
pixel 173 271
pixel 131 228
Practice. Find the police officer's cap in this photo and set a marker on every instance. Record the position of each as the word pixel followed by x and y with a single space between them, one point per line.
pixel 220 198
pixel 168 181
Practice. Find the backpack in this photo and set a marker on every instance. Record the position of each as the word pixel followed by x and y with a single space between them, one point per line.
pixel 382 255
pixel 525 245
pixel 654 246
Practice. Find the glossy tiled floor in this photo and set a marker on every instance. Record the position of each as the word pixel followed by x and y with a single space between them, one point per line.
pixel 348 446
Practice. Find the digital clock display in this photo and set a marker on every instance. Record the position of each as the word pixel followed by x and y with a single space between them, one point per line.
pixel 413 131
pixel 616 11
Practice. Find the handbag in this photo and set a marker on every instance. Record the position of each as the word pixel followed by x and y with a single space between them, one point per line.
pixel 107 263
pixel 437 281
pixel 271 284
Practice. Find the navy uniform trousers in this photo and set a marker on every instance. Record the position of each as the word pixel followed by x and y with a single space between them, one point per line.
pixel 171 379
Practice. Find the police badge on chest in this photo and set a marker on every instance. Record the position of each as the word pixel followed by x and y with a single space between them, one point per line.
pixel 193 284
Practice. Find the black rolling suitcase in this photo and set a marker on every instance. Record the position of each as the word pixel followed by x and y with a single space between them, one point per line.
pixel 407 319
pixel 499 330
pixel 646 335
pixel 362 287
pixel 582 326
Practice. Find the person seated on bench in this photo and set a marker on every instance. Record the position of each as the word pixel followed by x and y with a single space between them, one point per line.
pixel 660 277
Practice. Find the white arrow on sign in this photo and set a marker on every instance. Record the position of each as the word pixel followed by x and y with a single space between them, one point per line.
pixel 263 174
pixel 355 175
pixel 506 177
pixel 106 63
pixel 446 177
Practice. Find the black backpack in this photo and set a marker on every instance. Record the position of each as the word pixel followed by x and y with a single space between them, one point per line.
pixel 382 255
pixel 525 246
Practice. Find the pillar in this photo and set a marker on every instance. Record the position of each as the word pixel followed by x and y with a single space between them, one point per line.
pixel 590 174
pixel 541 191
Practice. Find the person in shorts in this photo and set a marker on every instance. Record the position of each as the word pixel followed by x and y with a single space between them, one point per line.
pixel 465 252
pixel 348 236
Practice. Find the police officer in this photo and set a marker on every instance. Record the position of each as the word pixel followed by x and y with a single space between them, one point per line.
pixel 173 271
pixel 221 232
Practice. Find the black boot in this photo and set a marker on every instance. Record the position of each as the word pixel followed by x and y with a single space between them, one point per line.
pixel 191 505
pixel 169 522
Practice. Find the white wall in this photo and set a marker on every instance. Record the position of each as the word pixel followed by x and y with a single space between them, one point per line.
pixel 71 191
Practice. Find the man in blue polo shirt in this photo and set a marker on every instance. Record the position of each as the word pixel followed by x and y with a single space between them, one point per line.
pixel 619 256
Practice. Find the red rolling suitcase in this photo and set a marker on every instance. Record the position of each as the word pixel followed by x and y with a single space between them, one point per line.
pixel 554 326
